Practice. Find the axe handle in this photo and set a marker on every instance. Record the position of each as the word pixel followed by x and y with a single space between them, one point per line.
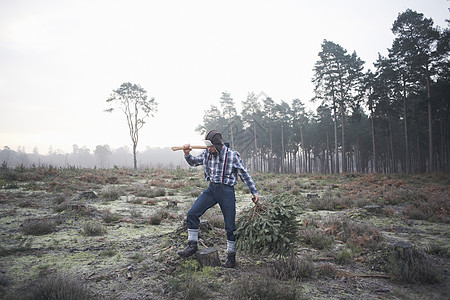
pixel 193 147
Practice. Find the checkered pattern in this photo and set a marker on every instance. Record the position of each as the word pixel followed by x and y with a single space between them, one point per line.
pixel 215 168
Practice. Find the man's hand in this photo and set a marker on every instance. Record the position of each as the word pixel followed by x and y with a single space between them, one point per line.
pixel 255 198
pixel 187 149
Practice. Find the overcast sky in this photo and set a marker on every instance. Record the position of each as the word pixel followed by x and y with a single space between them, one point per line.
pixel 61 59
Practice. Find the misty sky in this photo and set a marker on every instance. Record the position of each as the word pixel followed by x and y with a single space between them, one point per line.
pixel 61 59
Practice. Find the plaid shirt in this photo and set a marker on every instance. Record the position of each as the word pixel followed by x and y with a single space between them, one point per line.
pixel 218 171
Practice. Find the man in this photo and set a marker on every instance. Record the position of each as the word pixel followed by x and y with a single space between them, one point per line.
pixel 221 166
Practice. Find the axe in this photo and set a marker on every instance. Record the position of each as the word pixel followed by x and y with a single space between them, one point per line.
pixel 193 147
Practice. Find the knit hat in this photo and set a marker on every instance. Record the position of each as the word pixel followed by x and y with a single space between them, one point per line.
pixel 215 138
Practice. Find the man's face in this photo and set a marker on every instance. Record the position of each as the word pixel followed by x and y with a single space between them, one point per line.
pixel 212 149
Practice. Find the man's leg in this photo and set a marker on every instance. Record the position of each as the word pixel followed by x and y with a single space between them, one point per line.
pixel 227 202
pixel 200 206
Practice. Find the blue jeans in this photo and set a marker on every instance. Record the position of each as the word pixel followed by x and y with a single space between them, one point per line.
pixel 215 193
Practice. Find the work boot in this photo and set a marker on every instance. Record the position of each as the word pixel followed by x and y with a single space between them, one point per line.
pixel 190 250
pixel 231 260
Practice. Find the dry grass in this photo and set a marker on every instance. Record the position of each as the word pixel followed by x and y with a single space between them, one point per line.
pixel 413 266
pixel 262 287
pixel 58 286
pixel 292 268
pixel 38 226
pixel 92 228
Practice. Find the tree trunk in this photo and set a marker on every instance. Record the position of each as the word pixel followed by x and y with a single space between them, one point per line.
pixel 445 134
pixel 256 146
pixel 430 124
pixel 405 124
pixel 301 134
pixel 344 161
pixel 336 150
pixel 374 153
pixel 134 156
pixel 328 155
pixel 442 160
pixel 391 141
pixel 282 150
pixel 271 151
pixel 300 160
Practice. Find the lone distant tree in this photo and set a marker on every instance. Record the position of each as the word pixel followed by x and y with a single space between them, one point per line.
pixel 132 100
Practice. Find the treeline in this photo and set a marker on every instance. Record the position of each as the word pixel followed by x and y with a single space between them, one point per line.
pixel 392 119
pixel 102 157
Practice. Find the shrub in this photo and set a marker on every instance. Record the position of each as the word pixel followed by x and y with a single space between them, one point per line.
pixel 158 192
pixel 27 203
pixel 110 252
pixel 361 235
pixel 60 198
pixel 353 233
pixel 174 284
pixel 416 213
pixel 436 208
pixel 398 196
pixel 38 226
pixel 262 288
pixel 135 200
pixel 109 217
pixel 135 213
pixel 112 180
pixel 326 270
pixel 110 195
pixel 24 245
pixel 59 286
pixel 139 257
pixel 195 290
pixel 436 249
pixel 93 228
pixel 151 193
pixel 292 268
pixel 316 238
pixel 269 227
pixel 60 207
pixel 156 218
pixel 4 282
pixel 344 257
pixel 76 208
pixel 193 281
pixel 408 265
pixel 331 201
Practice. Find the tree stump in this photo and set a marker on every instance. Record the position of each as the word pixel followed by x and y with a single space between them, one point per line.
pixel 208 257
pixel 403 250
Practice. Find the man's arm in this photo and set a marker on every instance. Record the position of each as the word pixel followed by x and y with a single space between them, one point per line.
pixel 246 178
pixel 192 160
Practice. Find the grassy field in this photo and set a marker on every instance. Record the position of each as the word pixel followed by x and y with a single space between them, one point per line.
pixel 114 234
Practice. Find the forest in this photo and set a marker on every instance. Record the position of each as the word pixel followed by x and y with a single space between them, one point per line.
pixel 392 119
